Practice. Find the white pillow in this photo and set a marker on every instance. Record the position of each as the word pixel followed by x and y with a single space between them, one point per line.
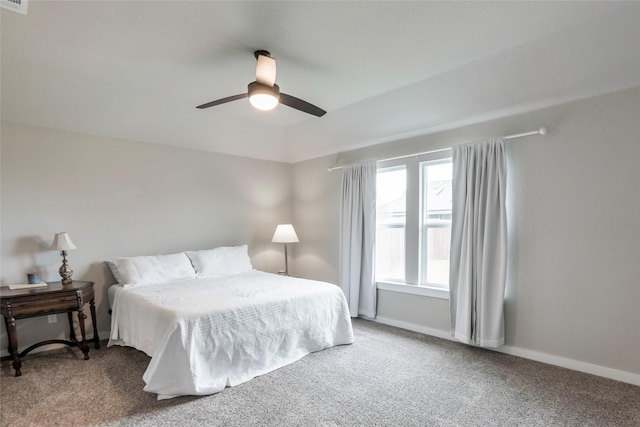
pixel 114 271
pixel 221 261
pixel 149 270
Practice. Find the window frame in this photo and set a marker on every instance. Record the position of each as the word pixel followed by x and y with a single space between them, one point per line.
pixel 413 227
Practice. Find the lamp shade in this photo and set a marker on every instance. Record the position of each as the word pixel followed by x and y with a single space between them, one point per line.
pixel 62 242
pixel 285 234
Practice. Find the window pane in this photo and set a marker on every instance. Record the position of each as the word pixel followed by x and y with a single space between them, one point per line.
pixel 436 223
pixel 390 223
pixel 390 253
pixel 437 183
pixel 438 245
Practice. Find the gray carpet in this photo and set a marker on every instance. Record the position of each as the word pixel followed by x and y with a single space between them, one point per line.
pixel 388 377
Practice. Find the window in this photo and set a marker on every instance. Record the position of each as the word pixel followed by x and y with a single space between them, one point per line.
pixel 435 224
pixel 391 217
pixel 413 222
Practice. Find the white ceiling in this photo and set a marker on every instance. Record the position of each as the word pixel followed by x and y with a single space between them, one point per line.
pixel 382 70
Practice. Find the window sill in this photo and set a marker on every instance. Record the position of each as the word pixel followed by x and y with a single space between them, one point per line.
pixel 413 290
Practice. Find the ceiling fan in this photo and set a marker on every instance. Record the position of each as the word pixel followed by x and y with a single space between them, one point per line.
pixel 264 93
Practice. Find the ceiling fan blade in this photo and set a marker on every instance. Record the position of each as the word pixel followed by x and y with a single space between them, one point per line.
pixel 223 100
pixel 299 104
pixel 266 70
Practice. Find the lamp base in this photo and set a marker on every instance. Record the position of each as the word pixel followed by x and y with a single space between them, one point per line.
pixel 286 261
pixel 65 271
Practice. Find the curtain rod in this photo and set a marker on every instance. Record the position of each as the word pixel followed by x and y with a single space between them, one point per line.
pixel 542 131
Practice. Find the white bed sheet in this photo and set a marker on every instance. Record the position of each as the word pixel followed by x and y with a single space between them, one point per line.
pixel 206 334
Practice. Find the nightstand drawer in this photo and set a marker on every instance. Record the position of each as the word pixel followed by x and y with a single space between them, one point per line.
pixel 43 306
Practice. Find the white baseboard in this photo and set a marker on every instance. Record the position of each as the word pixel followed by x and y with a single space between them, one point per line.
pixel 550 359
pixel 4 352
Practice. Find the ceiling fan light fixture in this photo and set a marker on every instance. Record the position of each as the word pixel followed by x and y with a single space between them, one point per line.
pixel 264 97
pixel 263 101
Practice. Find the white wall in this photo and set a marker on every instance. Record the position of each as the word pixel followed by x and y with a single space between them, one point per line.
pixel 573 291
pixel 315 205
pixel 124 198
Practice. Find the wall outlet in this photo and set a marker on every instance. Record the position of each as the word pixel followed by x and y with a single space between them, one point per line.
pixel 52 318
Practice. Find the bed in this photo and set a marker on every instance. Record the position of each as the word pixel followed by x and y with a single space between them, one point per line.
pixel 209 320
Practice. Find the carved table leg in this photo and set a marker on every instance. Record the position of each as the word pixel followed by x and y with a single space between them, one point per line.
pixel 83 344
pixel 6 324
pixel 13 344
pixel 72 332
pixel 96 338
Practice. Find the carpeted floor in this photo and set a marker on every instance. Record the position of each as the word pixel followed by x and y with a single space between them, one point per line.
pixel 388 377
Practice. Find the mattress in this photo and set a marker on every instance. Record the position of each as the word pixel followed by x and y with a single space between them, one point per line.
pixel 207 334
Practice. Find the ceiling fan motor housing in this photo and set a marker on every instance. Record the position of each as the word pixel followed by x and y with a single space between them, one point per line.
pixel 262 52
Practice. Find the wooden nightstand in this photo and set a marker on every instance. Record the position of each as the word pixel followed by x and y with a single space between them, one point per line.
pixel 55 298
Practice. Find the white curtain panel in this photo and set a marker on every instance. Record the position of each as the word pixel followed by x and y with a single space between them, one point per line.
pixel 357 238
pixel 478 243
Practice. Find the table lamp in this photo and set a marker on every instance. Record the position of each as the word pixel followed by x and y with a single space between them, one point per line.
pixel 62 242
pixel 285 234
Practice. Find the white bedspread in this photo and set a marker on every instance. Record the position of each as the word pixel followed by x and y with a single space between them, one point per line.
pixel 206 334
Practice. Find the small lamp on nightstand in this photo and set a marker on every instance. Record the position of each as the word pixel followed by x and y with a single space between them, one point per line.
pixel 285 234
pixel 62 242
